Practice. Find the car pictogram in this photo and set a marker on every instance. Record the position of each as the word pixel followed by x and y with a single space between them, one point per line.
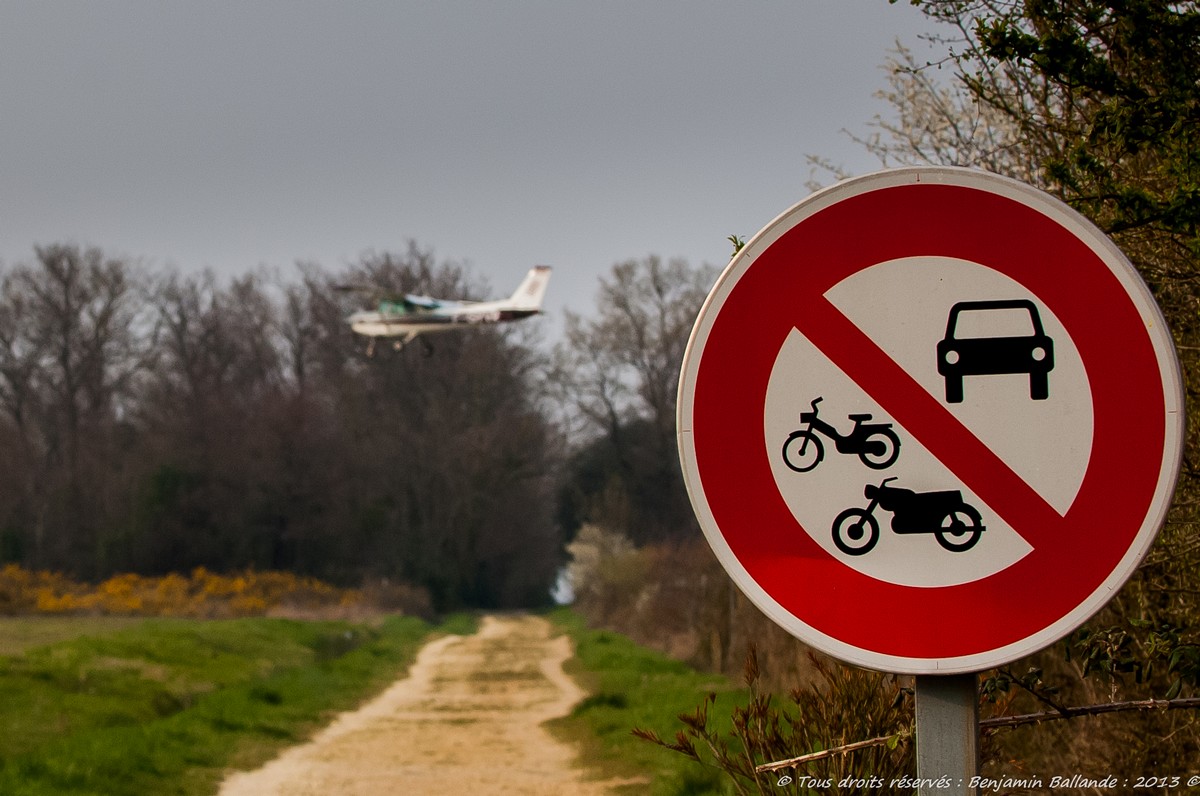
pixel 963 352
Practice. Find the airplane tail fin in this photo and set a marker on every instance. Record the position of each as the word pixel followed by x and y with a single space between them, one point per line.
pixel 529 294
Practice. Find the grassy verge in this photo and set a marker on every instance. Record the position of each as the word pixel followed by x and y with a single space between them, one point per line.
pixel 18 634
pixel 635 687
pixel 168 706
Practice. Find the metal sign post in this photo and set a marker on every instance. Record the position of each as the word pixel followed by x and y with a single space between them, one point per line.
pixel 947 734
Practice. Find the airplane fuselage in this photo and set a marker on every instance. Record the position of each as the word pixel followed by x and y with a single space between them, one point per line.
pixel 391 323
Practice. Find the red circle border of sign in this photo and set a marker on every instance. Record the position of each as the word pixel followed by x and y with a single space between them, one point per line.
pixel 779 280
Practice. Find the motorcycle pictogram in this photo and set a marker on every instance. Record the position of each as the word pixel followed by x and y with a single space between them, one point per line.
pixel 875 443
pixel 956 524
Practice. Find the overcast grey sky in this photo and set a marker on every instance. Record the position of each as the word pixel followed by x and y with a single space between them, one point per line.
pixel 576 133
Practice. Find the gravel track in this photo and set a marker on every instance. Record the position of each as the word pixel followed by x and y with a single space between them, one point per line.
pixel 467 719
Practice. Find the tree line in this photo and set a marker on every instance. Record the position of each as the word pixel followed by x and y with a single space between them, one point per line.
pixel 156 422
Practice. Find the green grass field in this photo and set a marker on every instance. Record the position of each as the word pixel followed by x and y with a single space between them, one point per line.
pixel 167 706
pixel 18 634
pixel 635 687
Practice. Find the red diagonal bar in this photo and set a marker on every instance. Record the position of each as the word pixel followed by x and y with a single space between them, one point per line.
pixel 923 417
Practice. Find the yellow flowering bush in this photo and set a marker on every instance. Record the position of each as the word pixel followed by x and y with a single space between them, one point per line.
pixel 202 594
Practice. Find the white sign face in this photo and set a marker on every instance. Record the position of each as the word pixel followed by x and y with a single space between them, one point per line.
pixel 1000 413
pixel 938 445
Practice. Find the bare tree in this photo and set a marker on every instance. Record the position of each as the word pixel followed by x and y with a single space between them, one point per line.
pixel 69 351
pixel 939 121
pixel 619 370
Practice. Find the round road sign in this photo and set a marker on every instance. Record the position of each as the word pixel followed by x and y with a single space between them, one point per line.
pixel 930 420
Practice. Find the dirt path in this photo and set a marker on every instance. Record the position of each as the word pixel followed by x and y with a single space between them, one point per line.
pixel 467 719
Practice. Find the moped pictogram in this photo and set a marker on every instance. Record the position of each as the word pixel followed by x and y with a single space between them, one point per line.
pixel 956 524
pixel 875 443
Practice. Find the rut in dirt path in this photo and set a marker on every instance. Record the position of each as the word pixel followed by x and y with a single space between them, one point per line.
pixel 467 719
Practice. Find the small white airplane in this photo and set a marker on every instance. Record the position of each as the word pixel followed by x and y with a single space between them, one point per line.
pixel 407 315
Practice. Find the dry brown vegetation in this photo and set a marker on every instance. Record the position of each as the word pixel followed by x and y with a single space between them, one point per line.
pixel 677 598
